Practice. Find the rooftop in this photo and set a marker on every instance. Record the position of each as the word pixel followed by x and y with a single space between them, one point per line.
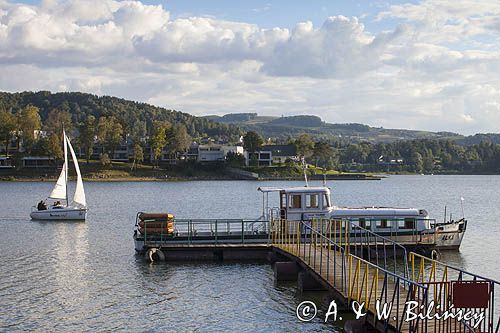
pixel 299 189
pixel 281 150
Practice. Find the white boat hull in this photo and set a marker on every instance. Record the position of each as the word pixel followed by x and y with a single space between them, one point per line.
pixel 68 213
pixel 449 236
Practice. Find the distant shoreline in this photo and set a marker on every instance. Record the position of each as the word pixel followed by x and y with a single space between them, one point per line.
pixel 183 179
pixel 340 177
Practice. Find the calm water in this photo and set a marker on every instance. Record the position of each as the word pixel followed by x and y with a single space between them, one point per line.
pixel 60 276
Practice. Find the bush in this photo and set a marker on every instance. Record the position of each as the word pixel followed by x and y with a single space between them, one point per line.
pixel 104 159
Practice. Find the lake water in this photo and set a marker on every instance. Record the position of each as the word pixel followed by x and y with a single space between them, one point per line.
pixel 67 276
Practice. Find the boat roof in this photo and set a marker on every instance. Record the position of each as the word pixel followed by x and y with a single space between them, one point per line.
pixel 377 211
pixel 298 189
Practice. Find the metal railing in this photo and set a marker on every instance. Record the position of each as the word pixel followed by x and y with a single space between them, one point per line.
pixel 439 278
pixel 365 244
pixel 213 231
pixel 325 248
pixel 396 230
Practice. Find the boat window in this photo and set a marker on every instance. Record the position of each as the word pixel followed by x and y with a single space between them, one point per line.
pixel 382 223
pixel 326 200
pixel 407 223
pixel 295 201
pixel 363 223
pixel 312 201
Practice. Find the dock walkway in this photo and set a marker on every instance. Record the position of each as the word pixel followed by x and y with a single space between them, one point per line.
pixel 357 265
pixel 366 276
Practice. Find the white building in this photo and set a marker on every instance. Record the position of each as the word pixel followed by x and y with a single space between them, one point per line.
pixel 216 153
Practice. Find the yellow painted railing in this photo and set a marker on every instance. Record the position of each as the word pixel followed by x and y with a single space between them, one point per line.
pixel 439 278
pixel 326 246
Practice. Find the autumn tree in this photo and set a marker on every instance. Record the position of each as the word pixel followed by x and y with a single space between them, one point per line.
pixel 178 139
pixel 50 145
pixel 305 145
pixel 7 127
pixel 138 130
pixel 252 141
pixel 57 120
pixel 28 121
pixel 159 139
pixel 322 153
pixel 87 136
pixel 110 133
pixel 138 155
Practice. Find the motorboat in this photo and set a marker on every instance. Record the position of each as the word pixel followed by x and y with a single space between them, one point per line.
pixel 407 226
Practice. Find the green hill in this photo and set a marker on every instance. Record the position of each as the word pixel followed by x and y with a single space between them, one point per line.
pixel 129 113
pixel 282 128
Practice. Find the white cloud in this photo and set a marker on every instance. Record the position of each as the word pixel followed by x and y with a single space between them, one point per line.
pixel 448 20
pixel 438 68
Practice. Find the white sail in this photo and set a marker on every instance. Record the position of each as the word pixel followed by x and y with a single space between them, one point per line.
pixel 79 197
pixel 59 191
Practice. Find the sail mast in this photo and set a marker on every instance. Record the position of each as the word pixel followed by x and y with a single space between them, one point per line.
pixel 66 163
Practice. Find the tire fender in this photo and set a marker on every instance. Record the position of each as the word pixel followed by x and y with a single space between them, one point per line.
pixel 154 254
pixel 435 255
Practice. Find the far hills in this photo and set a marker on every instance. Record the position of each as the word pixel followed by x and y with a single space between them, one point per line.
pixel 284 127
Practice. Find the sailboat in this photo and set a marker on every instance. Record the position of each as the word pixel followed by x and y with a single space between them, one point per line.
pixel 57 210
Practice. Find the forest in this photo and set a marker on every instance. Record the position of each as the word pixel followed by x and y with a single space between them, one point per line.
pixel 415 156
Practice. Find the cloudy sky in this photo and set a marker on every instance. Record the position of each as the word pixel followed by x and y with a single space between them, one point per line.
pixel 431 65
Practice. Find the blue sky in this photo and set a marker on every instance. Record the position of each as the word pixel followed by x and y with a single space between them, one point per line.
pixel 427 64
pixel 272 13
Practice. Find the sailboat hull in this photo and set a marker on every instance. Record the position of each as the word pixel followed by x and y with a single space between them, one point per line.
pixel 67 213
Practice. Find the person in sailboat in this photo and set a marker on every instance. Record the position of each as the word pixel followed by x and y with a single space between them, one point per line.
pixel 42 205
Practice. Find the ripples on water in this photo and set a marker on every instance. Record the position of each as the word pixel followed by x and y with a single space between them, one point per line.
pixel 73 276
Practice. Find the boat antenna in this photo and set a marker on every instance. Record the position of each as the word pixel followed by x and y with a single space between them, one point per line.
pixel 304 166
pixel 462 204
pixel 444 214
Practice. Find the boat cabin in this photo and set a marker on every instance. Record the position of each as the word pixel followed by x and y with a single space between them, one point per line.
pixel 301 203
pixel 307 203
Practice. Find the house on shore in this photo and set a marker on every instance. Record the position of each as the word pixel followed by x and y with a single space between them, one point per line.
pixel 216 153
pixel 272 154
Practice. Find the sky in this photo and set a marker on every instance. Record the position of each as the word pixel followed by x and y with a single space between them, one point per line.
pixel 430 65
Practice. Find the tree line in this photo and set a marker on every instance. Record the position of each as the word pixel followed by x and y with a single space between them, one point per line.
pixel 417 156
pixel 107 131
pixel 109 119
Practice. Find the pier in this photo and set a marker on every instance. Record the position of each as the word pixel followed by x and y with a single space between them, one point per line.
pixel 353 266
